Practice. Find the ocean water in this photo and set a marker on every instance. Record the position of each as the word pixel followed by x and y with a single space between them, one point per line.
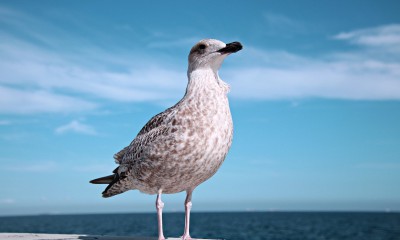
pixel 230 225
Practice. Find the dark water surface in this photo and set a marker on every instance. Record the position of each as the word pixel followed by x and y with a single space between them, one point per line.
pixel 232 225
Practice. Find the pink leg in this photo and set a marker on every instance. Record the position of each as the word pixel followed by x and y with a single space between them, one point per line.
pixel 188 206
pixel 159 206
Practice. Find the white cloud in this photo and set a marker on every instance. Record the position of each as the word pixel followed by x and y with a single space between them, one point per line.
pixel 32 167
pixel 76 127
pixel 281 24
pixel 4 122
pixel 13 100
pixel 45 70
pixel 363 74
pixel 7 201
pixel 98 168
pixel 177 43
pixel 339 79
pixel 383 36
pixel 39 78
pixel 52 166
pixel 379 165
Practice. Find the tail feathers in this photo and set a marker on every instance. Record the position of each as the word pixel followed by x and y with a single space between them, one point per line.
pixel 104 180
pixel 117 186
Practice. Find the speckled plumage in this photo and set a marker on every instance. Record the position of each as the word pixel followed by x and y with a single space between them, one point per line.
pixel 185 145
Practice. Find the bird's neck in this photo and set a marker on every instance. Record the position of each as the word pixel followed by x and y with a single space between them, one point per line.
pixel 205 81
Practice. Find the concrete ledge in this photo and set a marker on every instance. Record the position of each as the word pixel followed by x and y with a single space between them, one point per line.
pixel 40 236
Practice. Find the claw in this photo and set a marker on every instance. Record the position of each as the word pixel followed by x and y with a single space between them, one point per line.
pixel 186 237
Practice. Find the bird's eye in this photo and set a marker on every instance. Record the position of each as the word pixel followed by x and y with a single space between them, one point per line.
pixel 202 46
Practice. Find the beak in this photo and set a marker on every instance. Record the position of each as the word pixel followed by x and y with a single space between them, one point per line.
pixel 231 48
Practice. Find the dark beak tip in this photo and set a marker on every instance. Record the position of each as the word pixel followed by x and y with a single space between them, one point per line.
pixel 235 46
pixel 238 44
pixel 231 48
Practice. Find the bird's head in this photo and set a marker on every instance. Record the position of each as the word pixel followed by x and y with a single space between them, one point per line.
pixel 210 53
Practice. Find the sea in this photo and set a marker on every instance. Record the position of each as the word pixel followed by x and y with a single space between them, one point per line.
pixel 221 225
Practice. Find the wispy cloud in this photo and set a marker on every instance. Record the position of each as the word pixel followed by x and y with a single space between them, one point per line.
pixel 282 24
pixel 14 100
pixel 38 76
pixel 53 166
pixel 76 127
pixel 31 167
pixel 66 82
pixel 101 168
pixel 177 43
pixel 360 74
pixel 7 201
pixel 379 165
pixel 4 122
pixel 381 37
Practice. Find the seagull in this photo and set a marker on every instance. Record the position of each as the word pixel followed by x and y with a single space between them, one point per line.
pixel 182 147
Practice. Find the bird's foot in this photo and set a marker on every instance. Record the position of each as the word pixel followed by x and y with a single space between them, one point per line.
pixel 186 237
pixel 161 238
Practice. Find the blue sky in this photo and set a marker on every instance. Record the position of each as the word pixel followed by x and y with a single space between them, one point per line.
pixel 314 96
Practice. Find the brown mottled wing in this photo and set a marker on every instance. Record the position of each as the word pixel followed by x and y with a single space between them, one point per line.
pixel 151 131
pixel 131 155
pixel 155 122
pixel 120 155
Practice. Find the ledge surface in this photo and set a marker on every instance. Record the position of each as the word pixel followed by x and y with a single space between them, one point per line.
pixel 41 236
